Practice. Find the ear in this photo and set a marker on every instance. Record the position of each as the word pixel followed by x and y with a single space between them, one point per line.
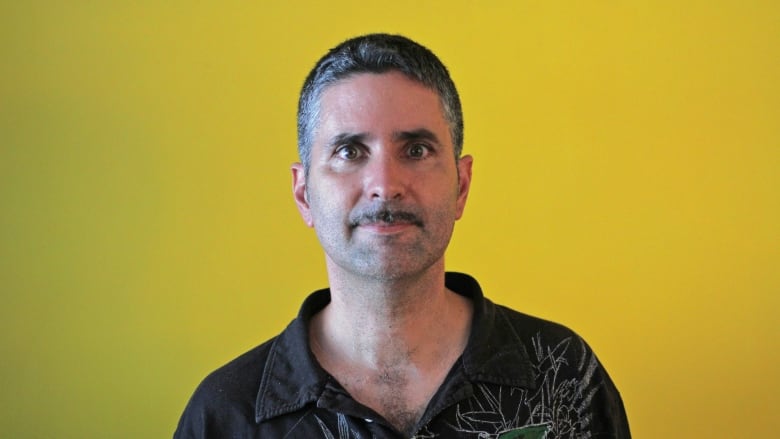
pixel 299 193
pixel 464 183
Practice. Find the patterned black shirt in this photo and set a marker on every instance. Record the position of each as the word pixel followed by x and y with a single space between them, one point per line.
pixel 519 377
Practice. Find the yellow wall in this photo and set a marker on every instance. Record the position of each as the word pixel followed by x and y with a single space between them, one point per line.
pixel 626 184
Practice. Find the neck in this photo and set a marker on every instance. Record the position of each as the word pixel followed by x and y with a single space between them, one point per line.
pixel 376 322
pixel 392 343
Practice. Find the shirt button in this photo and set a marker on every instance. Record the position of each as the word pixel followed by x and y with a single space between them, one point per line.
pixel 369 420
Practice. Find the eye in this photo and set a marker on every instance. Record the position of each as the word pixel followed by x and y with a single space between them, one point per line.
pixel 348 152
pixel 418 150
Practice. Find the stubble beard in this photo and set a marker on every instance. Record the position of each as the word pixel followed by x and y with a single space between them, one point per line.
pixel 387 257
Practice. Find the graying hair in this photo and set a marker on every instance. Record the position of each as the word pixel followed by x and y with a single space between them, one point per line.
pixel 376 53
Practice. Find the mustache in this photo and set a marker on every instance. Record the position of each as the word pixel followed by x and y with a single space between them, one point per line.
pixel 384 215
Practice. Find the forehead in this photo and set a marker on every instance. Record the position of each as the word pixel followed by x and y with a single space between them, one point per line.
pixel 380 104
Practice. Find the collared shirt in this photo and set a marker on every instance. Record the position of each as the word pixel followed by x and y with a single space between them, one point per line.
pixel 518 377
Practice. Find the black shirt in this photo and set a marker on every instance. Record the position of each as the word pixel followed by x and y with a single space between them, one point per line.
pixel 519 377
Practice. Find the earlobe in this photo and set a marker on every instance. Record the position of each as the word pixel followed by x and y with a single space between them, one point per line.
pixel 300 194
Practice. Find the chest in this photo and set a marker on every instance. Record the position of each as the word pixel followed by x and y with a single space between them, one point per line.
pixel 490 412
pixel 399 395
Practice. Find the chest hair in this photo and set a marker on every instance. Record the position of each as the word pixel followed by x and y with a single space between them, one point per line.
pixel 400 400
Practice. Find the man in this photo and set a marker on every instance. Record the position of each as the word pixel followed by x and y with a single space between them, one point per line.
pixel 396 347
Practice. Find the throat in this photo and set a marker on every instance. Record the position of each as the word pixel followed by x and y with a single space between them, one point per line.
pixel 392 365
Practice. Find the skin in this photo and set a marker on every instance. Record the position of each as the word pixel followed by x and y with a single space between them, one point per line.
pixel 383 192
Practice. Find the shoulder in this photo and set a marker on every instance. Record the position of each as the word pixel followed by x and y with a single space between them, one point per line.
pixel 558 372
pixel 227 396
pixel 525 325
pixel 547 342
pixel 560 356
pixel 566 369
pixel 498 323
pixel 240 377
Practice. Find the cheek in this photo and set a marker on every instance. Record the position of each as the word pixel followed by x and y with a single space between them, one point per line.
pixel 326 205
pixel 336 190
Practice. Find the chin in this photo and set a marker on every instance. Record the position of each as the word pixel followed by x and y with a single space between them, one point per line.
pixel 393 270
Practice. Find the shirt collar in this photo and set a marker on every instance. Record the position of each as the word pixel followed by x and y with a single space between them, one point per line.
pixel 495 353
pixel 292 377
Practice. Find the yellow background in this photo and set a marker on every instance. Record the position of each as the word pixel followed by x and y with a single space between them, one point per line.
pixel 627 159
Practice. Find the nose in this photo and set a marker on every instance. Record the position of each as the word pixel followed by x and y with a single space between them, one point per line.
pixel 385 178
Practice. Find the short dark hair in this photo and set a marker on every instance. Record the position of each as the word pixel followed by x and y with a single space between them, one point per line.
pixel 376 53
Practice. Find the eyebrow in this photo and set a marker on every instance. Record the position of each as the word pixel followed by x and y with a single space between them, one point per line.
pixel 418 134
pixel 342 138
pixel 352 138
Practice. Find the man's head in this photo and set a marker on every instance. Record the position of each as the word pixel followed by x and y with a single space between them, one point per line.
pixel 381 179
pixel 376 53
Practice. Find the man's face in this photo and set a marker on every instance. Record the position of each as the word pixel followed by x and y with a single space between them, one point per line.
pixel 383 189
